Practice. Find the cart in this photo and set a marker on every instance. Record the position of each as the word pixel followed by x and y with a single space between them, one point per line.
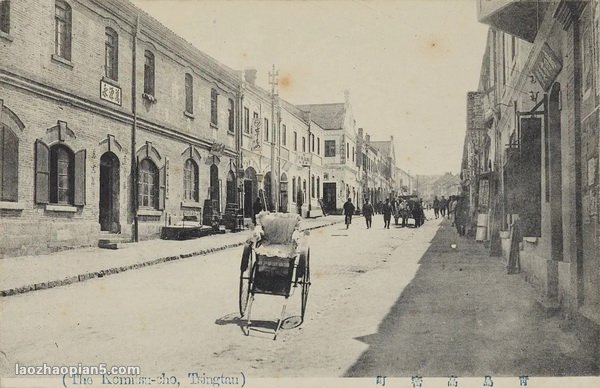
pixel 276 261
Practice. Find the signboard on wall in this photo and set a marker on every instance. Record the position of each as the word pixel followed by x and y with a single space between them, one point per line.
pixel 110 93
pixel 304 159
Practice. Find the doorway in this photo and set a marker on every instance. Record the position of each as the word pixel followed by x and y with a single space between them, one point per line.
pixel 109 193
pixel 329 196
pixel 214 188
pixel 555 176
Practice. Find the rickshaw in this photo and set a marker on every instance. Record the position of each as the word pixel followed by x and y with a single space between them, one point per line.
pixel 275 261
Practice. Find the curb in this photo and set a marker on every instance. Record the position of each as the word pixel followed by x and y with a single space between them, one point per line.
pixel 115 270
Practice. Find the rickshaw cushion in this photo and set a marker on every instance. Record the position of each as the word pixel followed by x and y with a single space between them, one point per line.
pixel 278 228
pixel 287 251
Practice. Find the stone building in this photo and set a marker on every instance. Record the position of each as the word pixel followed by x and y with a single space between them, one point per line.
pixel 78 125
pixel 534 155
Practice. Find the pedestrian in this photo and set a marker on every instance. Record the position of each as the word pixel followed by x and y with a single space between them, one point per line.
pixel 460 216
pixel 436 207
pixel 348 212
pixel 405 211
pixel 368 213
pixel 417 213
pixel 386 209
pixel 299 201
pixel 256 208
pixel 453 205
pixel 443 206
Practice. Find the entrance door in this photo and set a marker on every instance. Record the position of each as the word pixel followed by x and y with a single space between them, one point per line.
pixel 248 198
pixel 329 195
pixel 555 173
pixel 109 193
pixel 214 187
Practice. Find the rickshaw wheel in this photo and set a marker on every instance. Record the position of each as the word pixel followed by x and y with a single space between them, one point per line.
pixel 305 285
pixel 246 279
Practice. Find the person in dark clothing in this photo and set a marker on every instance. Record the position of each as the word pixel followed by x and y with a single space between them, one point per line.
pixel 436 207
pixel 443 206
pixel 460 216
pixel 256 208
pixel 348 212
pixel 386 209
pixel 368 213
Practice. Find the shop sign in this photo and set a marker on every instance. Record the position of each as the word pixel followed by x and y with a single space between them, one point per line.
pixel 304 159
pixel 110 93
pixel 546 67
pixel 217 149
pixel 256 126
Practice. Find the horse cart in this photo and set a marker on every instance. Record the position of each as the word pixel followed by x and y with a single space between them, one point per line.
pixel 275 261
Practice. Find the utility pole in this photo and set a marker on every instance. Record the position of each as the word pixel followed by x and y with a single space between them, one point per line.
pixel 273 80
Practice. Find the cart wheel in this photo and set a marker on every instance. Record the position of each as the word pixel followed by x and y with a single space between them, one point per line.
pixel 305 284
pixel 247 266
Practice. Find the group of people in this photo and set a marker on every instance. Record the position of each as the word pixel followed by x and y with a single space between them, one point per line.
pixel 400 208
pixel 455 208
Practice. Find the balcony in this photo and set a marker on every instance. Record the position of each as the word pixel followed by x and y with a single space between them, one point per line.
pixel 516 17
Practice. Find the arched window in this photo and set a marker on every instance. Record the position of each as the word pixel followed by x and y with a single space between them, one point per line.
pixel 111 54
pixel 189 93
pixel 148 184
pixel 62 29
pixel 149 73
pixel 190 181
pixel 61 175
pixel 9 164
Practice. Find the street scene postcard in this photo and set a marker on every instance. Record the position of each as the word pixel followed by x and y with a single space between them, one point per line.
pixel 288 193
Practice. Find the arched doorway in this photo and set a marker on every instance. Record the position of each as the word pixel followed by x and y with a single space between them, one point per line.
pixel 267 188
pixel 231 190
pixel 283 193
pixel 214 187
pixel 108 203
pixel 554 172
pixel 250 190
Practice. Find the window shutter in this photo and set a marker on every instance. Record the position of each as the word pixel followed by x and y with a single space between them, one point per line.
pixel 42 172
pixel 79 179
pixel 10 167
pixel 162 179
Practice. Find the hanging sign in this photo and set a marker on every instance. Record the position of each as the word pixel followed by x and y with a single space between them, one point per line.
pixel 110 93
pixel 546 67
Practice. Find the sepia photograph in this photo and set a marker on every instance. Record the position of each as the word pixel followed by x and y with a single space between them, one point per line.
pixel 290 193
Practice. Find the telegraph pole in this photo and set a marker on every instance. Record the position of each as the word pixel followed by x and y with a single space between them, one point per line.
pixel 273 80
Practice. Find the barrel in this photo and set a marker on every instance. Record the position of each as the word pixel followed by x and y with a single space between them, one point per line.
pixel 482 227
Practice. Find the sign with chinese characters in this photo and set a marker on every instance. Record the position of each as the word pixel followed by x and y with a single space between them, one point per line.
pixel 110 93
pixel 475 114
pixel 304 159
pixel 256 140
pixel 217 149
pixel 546 67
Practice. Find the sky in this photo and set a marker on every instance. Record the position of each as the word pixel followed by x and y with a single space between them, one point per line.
pixel 408 64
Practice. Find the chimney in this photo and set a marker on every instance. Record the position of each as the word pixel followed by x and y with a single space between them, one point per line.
pixel 250 76
pixel 360 133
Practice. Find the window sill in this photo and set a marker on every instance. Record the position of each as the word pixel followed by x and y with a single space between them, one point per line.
pixel 231 133
pixel 111 81
pixel 61 208
pixel 5 205
pixel 195 205
pixel 189 115
pixel 213 125
pixel 62 61
pixel 247 134
pixel 149 212
pixel 6 36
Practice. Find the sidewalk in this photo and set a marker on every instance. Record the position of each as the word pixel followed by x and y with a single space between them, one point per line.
pixel 463 315
pixel 29 273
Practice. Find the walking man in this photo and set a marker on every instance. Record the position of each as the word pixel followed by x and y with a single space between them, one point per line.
pixel 436 207
pixel 443 206
pixel 368 212
pixel 348 211
pixel 386 209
